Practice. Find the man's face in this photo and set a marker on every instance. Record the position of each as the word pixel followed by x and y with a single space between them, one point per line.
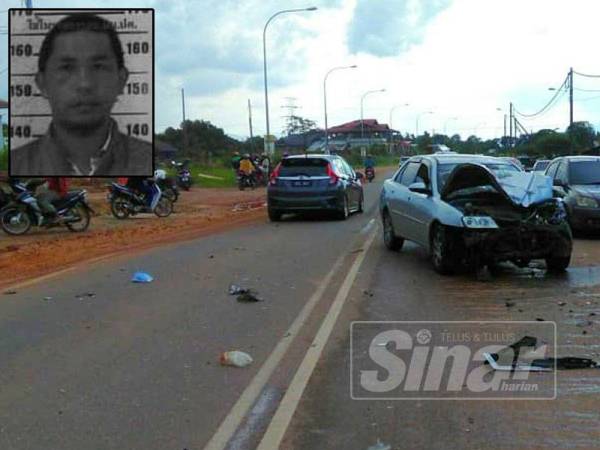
pixel 82 79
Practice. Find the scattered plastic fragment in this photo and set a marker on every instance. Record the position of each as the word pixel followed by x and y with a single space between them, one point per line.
pixel 142 277
pixel 562 303
pixel 380 446
pixel 10 292
pixel 509 304
pixel 234 289
pixel 47 298
pixel 235 358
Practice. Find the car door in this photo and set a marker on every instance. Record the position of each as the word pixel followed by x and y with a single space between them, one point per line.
pixel 355 184
pixel 399 204
pixel 342 172
pixel 420 206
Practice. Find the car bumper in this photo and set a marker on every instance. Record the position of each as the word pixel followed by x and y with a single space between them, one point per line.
pixel 304 203
pixel 585 218
pixel 514 243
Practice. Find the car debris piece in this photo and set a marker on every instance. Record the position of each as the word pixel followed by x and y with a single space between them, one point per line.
pixel 380 446
pixel 561 303
pixel 509 304
pixel 234 289
pixel 142 277
pixel 536 365
pixel 235 358
pixel 10 292
pixel 248 297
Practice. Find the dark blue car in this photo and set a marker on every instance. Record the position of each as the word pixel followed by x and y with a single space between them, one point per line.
pixel 303 183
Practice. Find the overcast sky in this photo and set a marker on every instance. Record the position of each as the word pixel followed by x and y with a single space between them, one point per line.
pixel 461 59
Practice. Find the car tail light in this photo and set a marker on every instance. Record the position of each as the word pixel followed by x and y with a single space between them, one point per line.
pixel 333 178
pixel 274 175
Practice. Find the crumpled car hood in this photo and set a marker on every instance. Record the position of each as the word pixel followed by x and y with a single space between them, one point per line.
pixel 519 188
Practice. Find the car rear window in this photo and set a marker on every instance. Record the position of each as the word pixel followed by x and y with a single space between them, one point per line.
pixel 584 172
pixel 308 167
pixel 541 165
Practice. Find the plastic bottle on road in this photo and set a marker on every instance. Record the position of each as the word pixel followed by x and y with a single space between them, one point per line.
pixel 236 358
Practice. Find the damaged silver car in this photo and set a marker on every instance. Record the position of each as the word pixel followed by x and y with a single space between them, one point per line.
pixel 473 211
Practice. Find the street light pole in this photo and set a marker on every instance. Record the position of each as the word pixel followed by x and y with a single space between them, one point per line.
pixel 362 126
pixel 268 134
pixel 418 116
pixel 325 100
pixel 390 121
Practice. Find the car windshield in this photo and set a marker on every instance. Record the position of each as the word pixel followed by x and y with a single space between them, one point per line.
pixel 584 172
pixel 309 167
pixel 541 165
pixel 500 169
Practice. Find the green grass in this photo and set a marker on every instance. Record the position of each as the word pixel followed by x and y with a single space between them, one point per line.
pixel 4 159
pixel 227 176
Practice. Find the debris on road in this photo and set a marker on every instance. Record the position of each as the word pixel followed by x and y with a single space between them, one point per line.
pixel 235 358
pixel 248 297
pixel 10 292
pixel 536 365
pixel 244 295
pixel 561 303
pixel 47 298
pixel 142 277
pixel 380 446
pixel 509 304
pixel 234 289
pixel 84 295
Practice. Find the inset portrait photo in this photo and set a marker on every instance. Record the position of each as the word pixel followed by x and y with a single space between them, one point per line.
pixel 81 92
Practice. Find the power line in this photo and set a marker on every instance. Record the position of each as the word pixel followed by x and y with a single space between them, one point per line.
pixel 560 91
pixel 586 90
pixel 586 99
pixel 586 75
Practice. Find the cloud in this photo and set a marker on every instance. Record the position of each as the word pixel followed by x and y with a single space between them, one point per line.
pixel 388 27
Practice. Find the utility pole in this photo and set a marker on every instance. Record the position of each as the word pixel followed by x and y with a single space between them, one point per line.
pixel 504 135
pixel 250 123
pixel 510 141
pixel 291 107
pixel 183 127
pixel 571 97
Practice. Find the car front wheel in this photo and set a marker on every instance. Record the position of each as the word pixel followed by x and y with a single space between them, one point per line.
pixel 558 264
pixel 390 239
pixel 441 256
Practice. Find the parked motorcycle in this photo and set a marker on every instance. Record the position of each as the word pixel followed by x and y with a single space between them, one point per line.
pixel 167 185
pixel 184 176
pixel 22 211
pixel 125 202
pixel 245 181
pixel 370 174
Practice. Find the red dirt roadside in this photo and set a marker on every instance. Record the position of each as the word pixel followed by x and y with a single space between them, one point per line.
pixel 198 212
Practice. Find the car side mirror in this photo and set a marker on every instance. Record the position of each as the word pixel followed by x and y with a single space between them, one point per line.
pixel 558 182
pixel 420 188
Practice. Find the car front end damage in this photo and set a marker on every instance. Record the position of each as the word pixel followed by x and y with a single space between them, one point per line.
pixel 500 225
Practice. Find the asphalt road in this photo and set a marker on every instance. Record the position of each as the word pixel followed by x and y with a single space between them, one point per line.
pixel 136 366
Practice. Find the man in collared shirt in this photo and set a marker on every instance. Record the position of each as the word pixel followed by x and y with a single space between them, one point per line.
pixel 81 73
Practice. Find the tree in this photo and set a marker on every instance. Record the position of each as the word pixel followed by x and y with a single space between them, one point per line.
pixel 299 125
pixel 582 135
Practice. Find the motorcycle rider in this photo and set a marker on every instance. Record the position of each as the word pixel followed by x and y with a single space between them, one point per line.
pixel 52 190
pixel 235 161
pixel 370 164
pixel 247 167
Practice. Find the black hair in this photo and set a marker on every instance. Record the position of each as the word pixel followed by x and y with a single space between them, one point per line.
pixel 81 22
